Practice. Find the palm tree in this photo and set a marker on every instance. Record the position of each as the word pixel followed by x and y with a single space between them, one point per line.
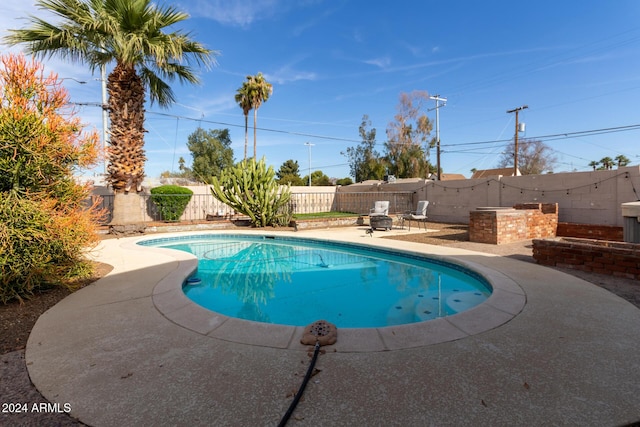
pixel 622 160
pixel 259 91
pixel 131 34
pixel 242 98
pixel 594 164
pixel 607 163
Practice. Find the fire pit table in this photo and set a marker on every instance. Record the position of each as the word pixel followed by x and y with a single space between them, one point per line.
pixel 381 221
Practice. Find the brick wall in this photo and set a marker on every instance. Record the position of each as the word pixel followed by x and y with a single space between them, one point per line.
pixel 591 231
pixel 541 219
pixel 524 221
pixel 602 257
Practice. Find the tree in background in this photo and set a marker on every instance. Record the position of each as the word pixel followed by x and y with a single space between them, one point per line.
pixel 259 91
pixel 184 175
pixel 244 102
pixel 622 160
pixel 344 181
pixel 182 165
pixel 408 144
pixel 534 158
pixel 131 34
pixel 364 161
pixel 607 163
pixel 45 225
pixel 318 178
pixel 289 173
pixel 211 151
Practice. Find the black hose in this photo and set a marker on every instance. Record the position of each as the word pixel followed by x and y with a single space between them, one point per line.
pixel 298 395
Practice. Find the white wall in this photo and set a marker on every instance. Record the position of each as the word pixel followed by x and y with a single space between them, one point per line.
pixel 593 197
pixel 583 197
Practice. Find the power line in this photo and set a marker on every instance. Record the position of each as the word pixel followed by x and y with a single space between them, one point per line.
pixel 549 137
pixel 553 137
pixel 306 135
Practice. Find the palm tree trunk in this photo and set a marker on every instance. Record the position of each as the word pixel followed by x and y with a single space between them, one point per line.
pixel 126 113
pixel 255 121
pixel 125 171
pixel 246 134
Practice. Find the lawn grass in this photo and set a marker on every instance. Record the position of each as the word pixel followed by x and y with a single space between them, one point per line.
pixel 323 215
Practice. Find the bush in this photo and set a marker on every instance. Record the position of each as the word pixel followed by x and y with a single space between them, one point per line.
pixel 171 201
pixel 40 246
pixel 45 227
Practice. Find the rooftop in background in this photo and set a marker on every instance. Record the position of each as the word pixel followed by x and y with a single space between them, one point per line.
pixel 451 176
pixel 486 173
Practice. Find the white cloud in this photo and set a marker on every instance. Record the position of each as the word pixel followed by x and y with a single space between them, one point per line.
pixel 287 73
pixel 238 12
pixel 382 62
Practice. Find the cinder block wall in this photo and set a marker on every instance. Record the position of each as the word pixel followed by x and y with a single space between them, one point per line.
pixel 593 197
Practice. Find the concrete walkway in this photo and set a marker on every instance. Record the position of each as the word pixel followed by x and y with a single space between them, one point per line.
pixel 545 349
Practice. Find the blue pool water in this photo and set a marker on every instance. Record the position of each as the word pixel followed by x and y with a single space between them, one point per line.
pixel 295 282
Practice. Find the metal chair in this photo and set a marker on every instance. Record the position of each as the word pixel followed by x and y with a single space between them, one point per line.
pixel 420 214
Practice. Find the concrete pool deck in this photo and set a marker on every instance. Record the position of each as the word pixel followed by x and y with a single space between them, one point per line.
pixel 551 349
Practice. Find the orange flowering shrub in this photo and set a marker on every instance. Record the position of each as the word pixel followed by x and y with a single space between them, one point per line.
pixel 45 225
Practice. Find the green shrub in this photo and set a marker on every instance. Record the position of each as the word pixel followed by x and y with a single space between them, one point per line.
pixel 38 248
pixel 171 201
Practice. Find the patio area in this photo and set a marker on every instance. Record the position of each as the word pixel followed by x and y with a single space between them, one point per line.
pixel 551 350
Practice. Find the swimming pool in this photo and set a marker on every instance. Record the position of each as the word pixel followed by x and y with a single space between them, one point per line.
pixel 295 281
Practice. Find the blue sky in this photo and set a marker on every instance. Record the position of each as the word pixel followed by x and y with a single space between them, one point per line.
pixel 575 64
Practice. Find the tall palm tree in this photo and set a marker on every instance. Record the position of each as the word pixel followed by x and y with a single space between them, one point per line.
pixel 607 163
pixel 129 33
pixel 242 98
pixel 622 160
pixel 259 91
pixel 594 164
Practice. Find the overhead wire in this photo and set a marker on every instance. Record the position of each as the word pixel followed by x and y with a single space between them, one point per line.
pixel 307 135
pixel 551 61
pixel 548 137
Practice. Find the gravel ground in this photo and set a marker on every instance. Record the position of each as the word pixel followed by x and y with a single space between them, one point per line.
pixel 16 321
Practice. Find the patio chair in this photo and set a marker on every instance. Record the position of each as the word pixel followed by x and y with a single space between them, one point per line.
pixel 380 208
pixel 420 214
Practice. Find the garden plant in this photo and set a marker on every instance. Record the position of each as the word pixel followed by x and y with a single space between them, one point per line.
pixel 250 188
pixel 171 201
pixel 45 223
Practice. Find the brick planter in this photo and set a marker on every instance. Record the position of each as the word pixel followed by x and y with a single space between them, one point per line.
pixel 506 225
pixel 597 256
pixel 590 231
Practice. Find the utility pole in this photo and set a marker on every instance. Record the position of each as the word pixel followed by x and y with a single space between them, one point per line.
pixel 308 144
pixel 437 108
pixel 515 152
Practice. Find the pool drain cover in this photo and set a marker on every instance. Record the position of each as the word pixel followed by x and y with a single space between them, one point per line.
pixel 320 331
